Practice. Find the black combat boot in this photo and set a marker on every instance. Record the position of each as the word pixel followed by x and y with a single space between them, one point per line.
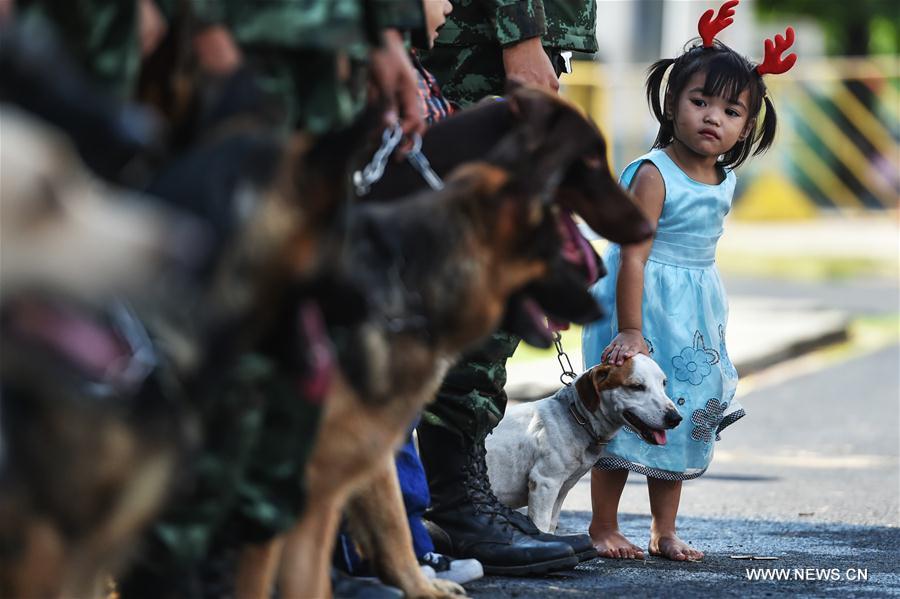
pixel 580 544
pixel 467 521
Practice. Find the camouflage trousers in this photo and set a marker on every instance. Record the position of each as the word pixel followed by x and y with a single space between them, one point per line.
pixel 245 482
pixel 471 400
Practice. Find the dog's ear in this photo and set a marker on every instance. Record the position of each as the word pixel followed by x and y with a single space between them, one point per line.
pixel 586 392
pixel 606 376
pixel 599 378
pixel 590 384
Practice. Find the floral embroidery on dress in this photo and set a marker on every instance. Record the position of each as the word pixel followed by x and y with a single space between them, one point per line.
pixel 723 353
pixel 694 363
pixel 707 420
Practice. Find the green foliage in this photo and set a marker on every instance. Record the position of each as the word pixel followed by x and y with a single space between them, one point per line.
pixel 852 28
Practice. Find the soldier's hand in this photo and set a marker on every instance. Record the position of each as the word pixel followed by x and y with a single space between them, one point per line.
pixel 152 26
pixel 526 62
pixel 394 77
pixel 216 50
pixel 7 7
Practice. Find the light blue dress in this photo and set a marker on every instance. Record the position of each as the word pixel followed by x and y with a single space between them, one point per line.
pixel 685 313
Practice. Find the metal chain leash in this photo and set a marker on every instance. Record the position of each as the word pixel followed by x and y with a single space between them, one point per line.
pixel 364 179
pixel 568 375
pixel 372 172
pixel 419 162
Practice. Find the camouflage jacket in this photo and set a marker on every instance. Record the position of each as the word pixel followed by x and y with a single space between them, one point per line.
pixel 562 24
pixel 100 35
pixel 299 50
pixel 311 24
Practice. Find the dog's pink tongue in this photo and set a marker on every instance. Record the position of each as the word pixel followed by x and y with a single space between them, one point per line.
pixel 659 437
pixel 576 250
pixel 538 319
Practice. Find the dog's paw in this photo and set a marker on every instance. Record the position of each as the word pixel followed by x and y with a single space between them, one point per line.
pixel 444 589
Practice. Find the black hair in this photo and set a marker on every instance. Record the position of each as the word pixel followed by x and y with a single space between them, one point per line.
pixel 728 74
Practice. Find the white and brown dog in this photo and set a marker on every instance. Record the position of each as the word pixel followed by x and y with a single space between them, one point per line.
pixel 541 449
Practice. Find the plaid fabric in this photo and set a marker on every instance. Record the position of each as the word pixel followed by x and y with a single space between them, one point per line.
pixel 435 106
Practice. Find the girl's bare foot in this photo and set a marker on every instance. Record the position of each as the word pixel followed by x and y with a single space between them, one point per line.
pixel 613 544
pixel 673 548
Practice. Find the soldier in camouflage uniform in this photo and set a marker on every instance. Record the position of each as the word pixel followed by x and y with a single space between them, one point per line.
pixel 311 57
pixel 473 57
pixel 247 482
pixel 470 58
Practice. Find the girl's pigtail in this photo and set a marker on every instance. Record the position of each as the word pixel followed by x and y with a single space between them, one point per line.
pixel 655 76
pixel 767 131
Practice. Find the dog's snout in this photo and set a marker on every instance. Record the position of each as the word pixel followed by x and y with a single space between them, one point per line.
pixel 672 418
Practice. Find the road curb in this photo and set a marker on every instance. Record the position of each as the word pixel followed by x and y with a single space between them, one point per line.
pixel 762 332
pixel 795 350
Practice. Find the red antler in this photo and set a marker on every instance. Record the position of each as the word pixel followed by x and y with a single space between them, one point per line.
pixel 773 63
pixel 709 27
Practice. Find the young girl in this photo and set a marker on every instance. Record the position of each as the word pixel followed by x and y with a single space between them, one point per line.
pixel 664 297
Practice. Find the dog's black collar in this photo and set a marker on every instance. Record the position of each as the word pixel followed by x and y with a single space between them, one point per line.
pixel 575 409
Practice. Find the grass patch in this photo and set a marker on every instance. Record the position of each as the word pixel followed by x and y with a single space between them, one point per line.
pixel 571 343
pixel 867 333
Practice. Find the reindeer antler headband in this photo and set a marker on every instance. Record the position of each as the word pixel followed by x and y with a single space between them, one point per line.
pixel 772 63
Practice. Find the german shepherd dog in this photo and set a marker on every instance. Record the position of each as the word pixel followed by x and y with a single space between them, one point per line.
pixel 439 269
pixel 94 404
pixel 273 208
pixel 85 455
pixel 586 188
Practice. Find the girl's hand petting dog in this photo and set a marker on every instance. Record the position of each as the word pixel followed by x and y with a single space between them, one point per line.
pixel 623 346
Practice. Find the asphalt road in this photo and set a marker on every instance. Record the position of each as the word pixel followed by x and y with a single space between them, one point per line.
pixel 810 477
